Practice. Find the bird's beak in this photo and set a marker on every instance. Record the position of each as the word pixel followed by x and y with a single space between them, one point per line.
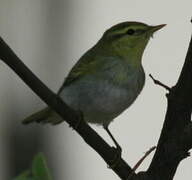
pixel 156 28
pixel 153 29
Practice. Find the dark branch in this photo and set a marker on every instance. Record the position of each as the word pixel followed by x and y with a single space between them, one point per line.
pixel 159 83
pixel 140 161
pixel 174 143
pixel 143 158
pixel 122 169
pixel 176 137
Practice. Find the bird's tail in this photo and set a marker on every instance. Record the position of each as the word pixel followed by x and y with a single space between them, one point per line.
pixel 46 115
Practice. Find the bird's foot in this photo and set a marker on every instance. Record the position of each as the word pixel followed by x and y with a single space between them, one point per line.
pixel 117 157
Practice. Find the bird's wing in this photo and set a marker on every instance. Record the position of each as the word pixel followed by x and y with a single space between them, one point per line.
pixel 81 68
pixel 88 64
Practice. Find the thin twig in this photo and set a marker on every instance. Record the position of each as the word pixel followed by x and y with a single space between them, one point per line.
pixel 159 83
pixel 141 160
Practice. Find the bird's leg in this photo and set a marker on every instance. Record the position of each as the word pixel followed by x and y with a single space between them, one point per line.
pixel 118 147
pixel 116 159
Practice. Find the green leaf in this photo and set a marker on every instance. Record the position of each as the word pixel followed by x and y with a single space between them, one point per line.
pixel 24 176
pixel 39 168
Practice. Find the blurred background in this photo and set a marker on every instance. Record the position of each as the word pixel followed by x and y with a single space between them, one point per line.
pixel 50 36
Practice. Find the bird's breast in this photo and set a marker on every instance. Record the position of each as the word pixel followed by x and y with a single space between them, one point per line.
pixel 105 98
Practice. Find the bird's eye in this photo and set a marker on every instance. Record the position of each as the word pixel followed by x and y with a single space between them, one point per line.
pixel 130 32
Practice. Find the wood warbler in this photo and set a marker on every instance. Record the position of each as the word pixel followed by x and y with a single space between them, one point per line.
pixel 107 78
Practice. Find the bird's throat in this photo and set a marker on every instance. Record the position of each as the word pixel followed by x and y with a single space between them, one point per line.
pixel 133 56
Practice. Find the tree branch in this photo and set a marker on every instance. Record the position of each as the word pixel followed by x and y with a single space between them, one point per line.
pixel 176 137
pixel 159 83
pixel 174 144
pixel 122 169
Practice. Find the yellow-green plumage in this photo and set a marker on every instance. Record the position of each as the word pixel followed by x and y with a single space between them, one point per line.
pixel 108 78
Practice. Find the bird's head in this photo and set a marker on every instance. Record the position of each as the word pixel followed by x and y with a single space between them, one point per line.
pixel 129 37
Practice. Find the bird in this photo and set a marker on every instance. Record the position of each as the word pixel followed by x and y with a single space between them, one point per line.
pixel 107 79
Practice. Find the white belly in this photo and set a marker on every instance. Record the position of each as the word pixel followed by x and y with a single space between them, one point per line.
pixel 102 101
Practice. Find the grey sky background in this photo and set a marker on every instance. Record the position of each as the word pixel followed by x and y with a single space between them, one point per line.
pixel 50 36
